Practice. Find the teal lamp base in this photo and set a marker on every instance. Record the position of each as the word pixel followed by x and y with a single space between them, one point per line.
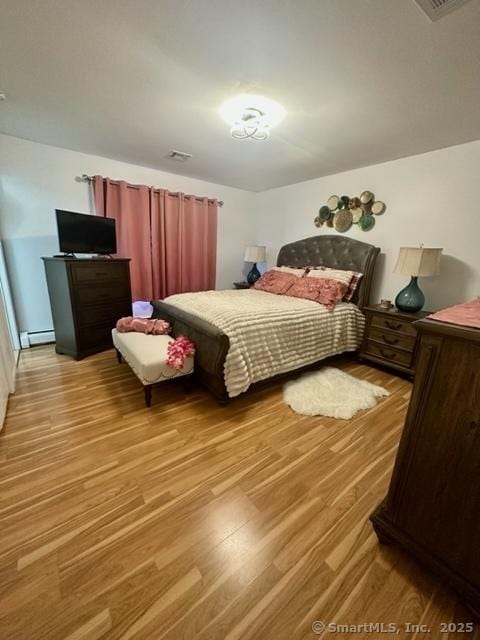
pixel 410 299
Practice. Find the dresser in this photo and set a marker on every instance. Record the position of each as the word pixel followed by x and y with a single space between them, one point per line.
pixel 87 297
pixel 433 504
pixel 390 338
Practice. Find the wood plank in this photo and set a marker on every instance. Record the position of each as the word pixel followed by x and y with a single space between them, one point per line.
pixel 195 521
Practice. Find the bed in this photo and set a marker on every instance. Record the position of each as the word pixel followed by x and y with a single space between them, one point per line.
pixel 221 334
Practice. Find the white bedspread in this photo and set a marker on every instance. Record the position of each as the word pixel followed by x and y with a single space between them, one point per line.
pixel 271 334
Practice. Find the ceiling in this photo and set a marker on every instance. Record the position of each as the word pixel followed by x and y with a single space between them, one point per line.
pixel 363 81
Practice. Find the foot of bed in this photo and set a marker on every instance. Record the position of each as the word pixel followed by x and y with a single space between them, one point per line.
pixel 119 356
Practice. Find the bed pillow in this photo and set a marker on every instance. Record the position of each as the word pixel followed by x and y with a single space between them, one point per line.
pixel 352 287
pixel 294 271
pixel 277 282
pixel 325 291
pixel 350 278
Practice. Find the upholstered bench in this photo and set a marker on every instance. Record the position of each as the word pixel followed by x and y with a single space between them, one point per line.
pixel 146 355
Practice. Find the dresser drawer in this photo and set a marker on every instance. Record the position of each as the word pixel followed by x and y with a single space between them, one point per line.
pixel 106 314
pixel 392 339
pixel 393 324
pixel 102 293
pixel 98 272
pixel 389 354
pixel 95 335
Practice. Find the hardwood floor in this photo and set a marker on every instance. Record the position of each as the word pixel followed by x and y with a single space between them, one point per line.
pixel 194 521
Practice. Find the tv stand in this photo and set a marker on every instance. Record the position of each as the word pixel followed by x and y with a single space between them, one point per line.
pixel 65 255
pixel 87 297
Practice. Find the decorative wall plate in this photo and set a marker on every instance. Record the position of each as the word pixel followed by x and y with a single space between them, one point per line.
pixel 332 203
pixel 341 212
pixel 366 222
pixel 342 220
pixel 366 197
pixel 324 213
pixel 378 207
pixel 357 213
pixel 354 203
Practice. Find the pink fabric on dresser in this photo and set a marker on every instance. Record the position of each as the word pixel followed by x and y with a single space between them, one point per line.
pixel 322 290
pixel 277 282
pixel 466 314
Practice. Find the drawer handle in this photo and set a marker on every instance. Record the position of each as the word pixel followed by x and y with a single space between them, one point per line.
pixel 390 340
pixel 396 326
pixel 387 354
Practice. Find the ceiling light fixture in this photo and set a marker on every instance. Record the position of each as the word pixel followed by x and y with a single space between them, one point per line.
pixel 251 116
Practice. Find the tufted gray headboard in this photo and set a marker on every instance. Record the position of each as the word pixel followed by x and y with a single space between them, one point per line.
pixel 337 252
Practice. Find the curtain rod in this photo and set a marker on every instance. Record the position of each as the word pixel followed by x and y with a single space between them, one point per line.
pixel 86 178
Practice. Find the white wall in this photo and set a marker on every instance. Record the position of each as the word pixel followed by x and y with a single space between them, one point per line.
pixel 431 198
pixel 36 179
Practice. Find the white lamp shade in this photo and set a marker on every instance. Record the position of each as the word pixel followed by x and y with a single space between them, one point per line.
pixel 255 254
pixel 418 261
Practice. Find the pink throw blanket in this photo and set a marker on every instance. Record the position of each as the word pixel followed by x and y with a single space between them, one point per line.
pixel 143 325
pixel 466 314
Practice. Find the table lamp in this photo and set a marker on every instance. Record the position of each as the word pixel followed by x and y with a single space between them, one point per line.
pixel 414 262
pixel 254 254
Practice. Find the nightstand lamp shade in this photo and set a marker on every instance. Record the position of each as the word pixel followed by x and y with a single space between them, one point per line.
pixel 414 262
pixel 254 254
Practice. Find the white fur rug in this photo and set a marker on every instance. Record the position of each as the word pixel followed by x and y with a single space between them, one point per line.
pixel 331 392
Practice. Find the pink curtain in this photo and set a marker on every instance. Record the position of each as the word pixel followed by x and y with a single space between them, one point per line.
pixel 184 243
pixel 170 238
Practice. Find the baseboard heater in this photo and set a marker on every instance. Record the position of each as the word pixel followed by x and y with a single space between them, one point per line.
pixel 33 338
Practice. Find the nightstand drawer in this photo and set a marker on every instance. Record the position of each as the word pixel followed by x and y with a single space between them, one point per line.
pixel 393 324
pixel 392 339
pixel 389 354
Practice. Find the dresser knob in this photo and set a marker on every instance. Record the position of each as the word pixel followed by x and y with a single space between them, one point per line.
pixel 396 326
pixel 389 340
pixel 387 354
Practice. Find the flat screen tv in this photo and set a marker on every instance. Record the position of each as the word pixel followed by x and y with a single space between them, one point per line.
pixel 84 233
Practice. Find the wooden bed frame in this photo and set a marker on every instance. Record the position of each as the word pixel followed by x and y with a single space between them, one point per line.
pixel 338 252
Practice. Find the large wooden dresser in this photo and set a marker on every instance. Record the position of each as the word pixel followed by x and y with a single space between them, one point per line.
pixel 433 504
pixel 87 296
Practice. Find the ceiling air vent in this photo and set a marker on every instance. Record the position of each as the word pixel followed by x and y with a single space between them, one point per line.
pixel 179 156
pixel 436 9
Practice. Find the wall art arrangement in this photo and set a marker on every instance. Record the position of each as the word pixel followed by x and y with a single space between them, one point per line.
pixel 341 212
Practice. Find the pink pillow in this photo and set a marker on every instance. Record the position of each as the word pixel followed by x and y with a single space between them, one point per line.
pixel 292 270
pixel 322 290
pixel 277 282
pixel 351 278
pixel 352 287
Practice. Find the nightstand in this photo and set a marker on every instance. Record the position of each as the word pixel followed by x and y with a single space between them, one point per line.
pixel 391 338
pixel 241 285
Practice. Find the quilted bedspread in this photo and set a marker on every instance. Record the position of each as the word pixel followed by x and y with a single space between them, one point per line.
pixel 271 334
